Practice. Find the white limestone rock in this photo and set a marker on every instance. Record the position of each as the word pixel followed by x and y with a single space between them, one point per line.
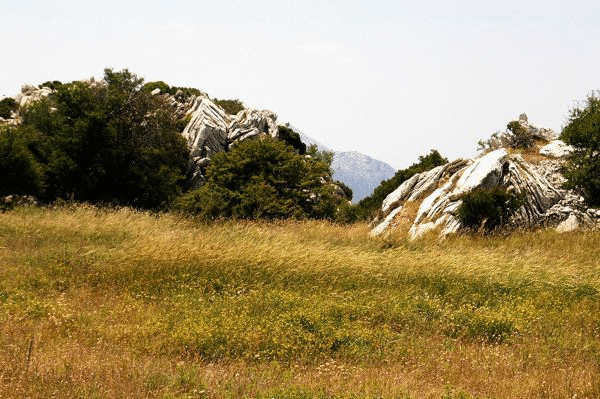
pixel 250 123
pixel 569 224
pixel 556 149
pixel 537 132
pixel 211 131
pixel 439 193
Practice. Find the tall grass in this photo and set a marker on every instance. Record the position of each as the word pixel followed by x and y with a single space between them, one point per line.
pixel 117 303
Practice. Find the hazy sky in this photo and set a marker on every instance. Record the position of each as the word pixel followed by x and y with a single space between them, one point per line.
pixel 389 80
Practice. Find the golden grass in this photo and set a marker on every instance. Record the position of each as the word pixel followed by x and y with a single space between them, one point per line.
pixel 118 303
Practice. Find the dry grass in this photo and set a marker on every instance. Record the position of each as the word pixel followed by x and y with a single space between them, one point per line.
pixel 115 303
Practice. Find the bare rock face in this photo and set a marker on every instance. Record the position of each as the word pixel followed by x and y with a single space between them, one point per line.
pixel 30 94
pixel 206 134
pixel 250 123
pixel 556 149
pixel 211 130
pixel 430 200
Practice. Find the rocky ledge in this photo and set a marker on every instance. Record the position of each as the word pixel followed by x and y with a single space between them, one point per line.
pixel 429 201
pixel 211 130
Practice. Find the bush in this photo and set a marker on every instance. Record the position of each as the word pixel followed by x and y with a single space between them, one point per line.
pixel 292 138
pixel 55 84
pixel 583 133
pixel 263 179
pixel 520 138
pixel 232 107
pixel 7 106
pixel 488 210
pixel 347 190
pixel 162 86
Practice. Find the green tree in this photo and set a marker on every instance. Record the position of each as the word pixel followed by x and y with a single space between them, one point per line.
pixel 108 142
pixel 20 173
pixel 521 138
pixel 583 133
pixel 264 179
pixel 162 86
pixel 369 206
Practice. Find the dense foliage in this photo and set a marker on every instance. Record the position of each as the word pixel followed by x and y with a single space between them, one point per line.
pixel 264 179
pixel 583 133
pixel 292 138
pixel 368 206
pixel 7 105
pixel 521 138
pixel 488 210
pixel 108 142
pixel 232 107
pixel 20 171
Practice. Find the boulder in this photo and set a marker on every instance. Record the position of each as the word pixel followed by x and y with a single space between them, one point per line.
pixel 569 224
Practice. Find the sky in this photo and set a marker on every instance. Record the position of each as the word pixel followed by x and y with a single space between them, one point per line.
pixel 391 80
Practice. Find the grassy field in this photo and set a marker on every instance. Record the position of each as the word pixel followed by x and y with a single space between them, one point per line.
pixel 119 304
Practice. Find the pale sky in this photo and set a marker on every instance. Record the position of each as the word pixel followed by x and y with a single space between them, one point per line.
pixel 389 79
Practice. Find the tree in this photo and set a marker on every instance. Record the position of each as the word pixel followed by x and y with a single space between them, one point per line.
pixel 264 179
pixel 232 107
pixel 583 133
pixel 292 138
pixel 109 142
pixel 20 173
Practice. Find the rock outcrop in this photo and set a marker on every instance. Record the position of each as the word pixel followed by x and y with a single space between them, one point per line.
pixel 210 130
pixel 430 200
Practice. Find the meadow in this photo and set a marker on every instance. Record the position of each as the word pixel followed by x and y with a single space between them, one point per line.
pixel 115 303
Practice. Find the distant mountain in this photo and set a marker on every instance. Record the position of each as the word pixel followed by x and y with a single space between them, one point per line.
pixel 358 171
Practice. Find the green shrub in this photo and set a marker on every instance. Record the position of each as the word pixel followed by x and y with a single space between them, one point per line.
pixel 347 190
pixel 7 106
pixel 162 86
pixel 232 107
pixel 55 84
pixel 521 138
pixel 110 143
pixel 583 133
pixel 292 138
pixel 186 92
pixel 488 210
pixel 263 179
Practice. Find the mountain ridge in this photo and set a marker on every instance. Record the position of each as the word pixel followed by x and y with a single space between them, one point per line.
pixel 358 171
